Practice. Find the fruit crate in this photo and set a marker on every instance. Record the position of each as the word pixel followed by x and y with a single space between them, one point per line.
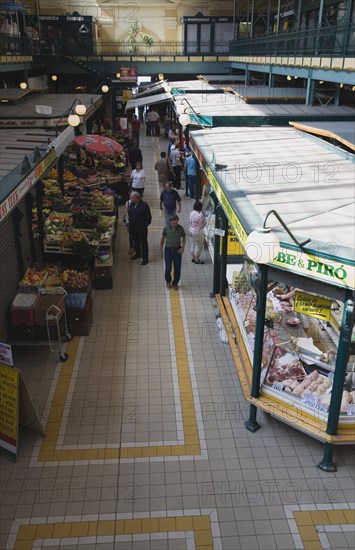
pixel 44 302
pixel 52 247
pixel 22 309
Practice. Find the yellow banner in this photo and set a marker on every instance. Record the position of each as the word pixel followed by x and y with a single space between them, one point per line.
pixel 9 405
pixel 126 95
pixel 233 219
pixel 312 305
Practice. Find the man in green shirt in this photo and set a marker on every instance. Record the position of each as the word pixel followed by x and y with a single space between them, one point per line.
pixel 174 238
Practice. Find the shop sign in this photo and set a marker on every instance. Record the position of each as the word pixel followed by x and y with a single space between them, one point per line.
pixel 129 74
pixel 10 202
pixel 312 305
pixel 309 265
pixel 9 411
pixel 32 122
pixel 6 354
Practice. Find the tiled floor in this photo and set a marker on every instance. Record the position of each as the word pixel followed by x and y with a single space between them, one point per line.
pixel 146 447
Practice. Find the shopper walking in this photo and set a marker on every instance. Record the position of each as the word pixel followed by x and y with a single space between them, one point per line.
pixel 191 176
pixel 164 169
pixel 139 218
pixel 138 179
pixel 176 165
pixel 196 231
pixel 135 129
pixel 134 155
pixel 172 246
pixel 126 222
pixel 170 200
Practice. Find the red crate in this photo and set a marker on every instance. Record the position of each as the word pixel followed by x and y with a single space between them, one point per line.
pixel 22 309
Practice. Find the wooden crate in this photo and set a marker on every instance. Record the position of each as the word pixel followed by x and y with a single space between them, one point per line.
pixel 51 247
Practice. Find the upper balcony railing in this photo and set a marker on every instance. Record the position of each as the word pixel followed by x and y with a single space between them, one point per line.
pixel 337 40
pixel 18 46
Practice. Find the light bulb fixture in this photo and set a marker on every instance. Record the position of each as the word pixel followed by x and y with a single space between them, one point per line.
pixel 160 76
pixel 184 119
pixel 289 77
pixel 341 85
pixel 185 114
pixel 167 88
pixel 321 82
pixel 353 89
pixel 104 88
pixel 262 243
pixel 73 120
pixel 295 77
pixel 54 77
pixel 118 75
pixel 23 85
pixel 80 109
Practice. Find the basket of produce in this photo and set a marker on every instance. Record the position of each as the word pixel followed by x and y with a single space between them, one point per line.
pixel 75 281
pixel 32 279
pixel 86 221
pixel 102 203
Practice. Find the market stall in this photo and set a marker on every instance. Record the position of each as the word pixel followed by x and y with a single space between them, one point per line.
pixel 291 314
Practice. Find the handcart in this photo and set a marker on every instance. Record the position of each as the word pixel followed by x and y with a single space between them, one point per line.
pixel 54 314
pixel 49 318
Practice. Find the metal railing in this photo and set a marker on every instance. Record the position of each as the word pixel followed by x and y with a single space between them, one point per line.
pixel 336 40
pixel 19 46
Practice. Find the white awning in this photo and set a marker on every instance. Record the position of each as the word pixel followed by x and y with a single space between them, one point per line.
pixel 149 100
pixel 151 88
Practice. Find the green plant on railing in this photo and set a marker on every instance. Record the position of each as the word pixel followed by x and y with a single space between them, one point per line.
pixel 136 37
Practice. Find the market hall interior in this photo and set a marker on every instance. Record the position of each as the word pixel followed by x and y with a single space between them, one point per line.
pixel 146 445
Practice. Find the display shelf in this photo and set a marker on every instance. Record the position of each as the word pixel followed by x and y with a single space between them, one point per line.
pixel 239 316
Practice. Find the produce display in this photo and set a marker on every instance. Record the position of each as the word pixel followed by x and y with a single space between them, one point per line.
pixel 34 277
pixel 102 202
pixel 75 280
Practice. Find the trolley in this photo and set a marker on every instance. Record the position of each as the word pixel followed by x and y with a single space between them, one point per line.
pixel 51 319
pixel 54 314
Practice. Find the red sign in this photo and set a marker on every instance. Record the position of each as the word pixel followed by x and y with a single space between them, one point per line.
pixel 128 74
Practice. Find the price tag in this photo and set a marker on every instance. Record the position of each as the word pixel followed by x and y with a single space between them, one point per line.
pixel 331 375
pixel 276 386
pixel 219 232
pixel 350 410
pixel 323 407
pixel 310 400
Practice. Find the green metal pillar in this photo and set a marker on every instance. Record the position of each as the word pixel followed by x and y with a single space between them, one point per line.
pixel 327 463
pixel 223 256
pixel 261 287
pixel 310 91
pixel 216 255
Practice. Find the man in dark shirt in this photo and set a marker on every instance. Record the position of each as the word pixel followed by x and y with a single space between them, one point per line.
pixel 174 239
pixel 139 217
pixel 169 199
pixel 135 155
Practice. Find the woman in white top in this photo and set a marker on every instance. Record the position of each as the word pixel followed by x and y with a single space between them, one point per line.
pixel 196 227
pixel 138 179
